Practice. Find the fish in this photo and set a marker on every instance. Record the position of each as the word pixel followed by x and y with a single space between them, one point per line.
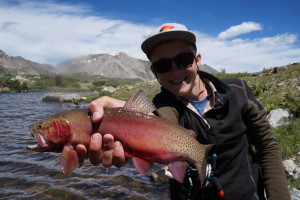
pixel 146 138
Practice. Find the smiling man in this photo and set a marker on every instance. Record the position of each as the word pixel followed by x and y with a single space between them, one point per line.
pixel 221 112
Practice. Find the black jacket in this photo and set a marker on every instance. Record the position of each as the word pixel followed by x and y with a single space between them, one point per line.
pixel 236 122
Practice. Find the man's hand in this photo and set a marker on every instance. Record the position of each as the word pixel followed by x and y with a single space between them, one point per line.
pixel 97 106
pixel 102 150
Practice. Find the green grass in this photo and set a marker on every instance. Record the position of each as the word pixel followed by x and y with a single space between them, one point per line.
pixel 281 90
pixel 288 137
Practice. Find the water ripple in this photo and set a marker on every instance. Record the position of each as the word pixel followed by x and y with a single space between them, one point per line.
pixel 31 175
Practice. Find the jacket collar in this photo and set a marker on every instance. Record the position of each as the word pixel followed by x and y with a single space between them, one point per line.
pixel 222 90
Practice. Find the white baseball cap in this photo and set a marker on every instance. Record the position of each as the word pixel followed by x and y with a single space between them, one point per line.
pixel 167 31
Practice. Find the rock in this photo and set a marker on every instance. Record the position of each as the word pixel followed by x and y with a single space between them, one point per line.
pixel 4 89
pixel 109 89
pixel 291 168
pixel 161 175
pixel 21 79
pixel 129 88
pixel 295 194
pixel 279 117
pixel 62 97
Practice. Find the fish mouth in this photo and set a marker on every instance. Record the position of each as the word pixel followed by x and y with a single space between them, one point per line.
pixel 43 142
pixel 42 145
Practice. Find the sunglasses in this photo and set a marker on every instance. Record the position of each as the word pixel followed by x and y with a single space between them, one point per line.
pixel 182 60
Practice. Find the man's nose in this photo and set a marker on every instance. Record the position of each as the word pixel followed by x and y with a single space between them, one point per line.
pixel 174 66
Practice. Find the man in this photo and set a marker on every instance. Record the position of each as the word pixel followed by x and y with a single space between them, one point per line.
pixel 221 112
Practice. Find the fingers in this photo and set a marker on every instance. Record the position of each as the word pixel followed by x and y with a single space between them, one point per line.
pixel 106 151
pixel 97 106
pixel 97 110
pixel 118 155
pixel 95 149
pixel 81 153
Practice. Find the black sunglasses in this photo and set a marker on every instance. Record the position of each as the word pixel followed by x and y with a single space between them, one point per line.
pixel 182 60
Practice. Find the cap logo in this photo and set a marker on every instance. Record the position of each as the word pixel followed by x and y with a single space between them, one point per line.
pixel 166 28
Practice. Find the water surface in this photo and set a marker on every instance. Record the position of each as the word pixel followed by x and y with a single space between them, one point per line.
pixel 31 175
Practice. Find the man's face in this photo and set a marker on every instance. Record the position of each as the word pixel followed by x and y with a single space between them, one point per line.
pixel 178 81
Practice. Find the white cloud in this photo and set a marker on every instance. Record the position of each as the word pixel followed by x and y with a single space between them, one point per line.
pixel 51 33
pixel 245 27
pixel 251 55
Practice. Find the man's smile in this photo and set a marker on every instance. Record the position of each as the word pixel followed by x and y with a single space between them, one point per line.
pixel 178 81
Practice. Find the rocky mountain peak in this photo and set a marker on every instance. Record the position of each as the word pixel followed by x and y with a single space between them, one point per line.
pixel 119 65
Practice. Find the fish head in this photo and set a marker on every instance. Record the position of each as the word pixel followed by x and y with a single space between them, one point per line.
pixel 51 133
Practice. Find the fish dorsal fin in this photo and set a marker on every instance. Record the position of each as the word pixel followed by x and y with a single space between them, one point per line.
pixel 140 103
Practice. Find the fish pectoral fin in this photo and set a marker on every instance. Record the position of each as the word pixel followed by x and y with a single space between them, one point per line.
pixel 69 159
pixel 140 165
pixel 178 170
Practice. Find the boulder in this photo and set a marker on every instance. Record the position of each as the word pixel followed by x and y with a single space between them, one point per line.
pixel 109 89
pixel 291 167
pixel 62 97
pixel 5 89
pixel 129 88
pixel 279 117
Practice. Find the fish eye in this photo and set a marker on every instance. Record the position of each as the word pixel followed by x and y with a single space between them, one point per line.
pixel 40 126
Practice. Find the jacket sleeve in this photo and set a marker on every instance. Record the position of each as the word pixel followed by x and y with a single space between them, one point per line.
pixel 260 135
pixel 169 113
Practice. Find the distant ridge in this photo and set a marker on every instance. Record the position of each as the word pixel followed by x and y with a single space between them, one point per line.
pixel 208 69
pixel 20 65
pixel 118 65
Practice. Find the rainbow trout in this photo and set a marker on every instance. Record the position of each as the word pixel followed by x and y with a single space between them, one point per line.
pixel 145 138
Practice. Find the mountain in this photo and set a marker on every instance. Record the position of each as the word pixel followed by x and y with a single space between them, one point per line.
pixel 119 65
pixel 20 65
pixel 208 69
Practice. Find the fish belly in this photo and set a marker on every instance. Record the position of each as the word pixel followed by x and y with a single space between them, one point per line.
pixel 141 135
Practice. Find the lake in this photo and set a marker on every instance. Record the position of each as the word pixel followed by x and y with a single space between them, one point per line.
pixel 26 174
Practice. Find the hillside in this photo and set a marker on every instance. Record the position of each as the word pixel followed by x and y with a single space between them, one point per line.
pixel 20 65
pixel 280 90
pixel 112 66
pixel 119 66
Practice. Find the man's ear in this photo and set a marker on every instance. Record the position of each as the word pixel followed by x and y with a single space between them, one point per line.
pixel 198 60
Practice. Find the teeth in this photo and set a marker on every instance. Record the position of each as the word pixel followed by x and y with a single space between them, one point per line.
pixel 43 142
pixel 177 81
pixel 43 138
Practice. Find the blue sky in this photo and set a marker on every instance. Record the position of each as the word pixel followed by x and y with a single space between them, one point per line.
pixel 237 35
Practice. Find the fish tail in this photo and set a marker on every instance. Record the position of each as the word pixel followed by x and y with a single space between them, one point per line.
pixel 202 171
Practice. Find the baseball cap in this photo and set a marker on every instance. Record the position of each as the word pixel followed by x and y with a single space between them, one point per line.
pixel 167 31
